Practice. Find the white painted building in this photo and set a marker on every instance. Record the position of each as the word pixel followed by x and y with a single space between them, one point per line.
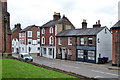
pixel 15 46
pixel 119 10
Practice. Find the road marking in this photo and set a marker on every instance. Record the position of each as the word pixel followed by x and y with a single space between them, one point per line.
pixel 105 73
pixel 98 77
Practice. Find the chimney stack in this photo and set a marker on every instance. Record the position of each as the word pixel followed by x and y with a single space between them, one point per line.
pixel 97 24
pixel 56 16
pixel 84 24
pixel 18 25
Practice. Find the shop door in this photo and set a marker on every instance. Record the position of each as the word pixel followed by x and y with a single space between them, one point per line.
pixel 85 56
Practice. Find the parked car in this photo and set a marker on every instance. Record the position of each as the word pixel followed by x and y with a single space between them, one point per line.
pixel 25 56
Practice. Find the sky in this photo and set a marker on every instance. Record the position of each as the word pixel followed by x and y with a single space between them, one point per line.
pixel 38 12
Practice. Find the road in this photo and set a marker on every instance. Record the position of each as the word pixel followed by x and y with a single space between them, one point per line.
pixel 89 70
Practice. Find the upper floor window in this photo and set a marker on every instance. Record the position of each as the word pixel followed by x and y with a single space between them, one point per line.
pixel 69 41
pixel 22 34
pixel 43 31
pixel 43 40
pixel 29 33
pixel 22 41
pixel 38 41
pixel 38 34
pixel 34 42
pixel 90 41
pixel 51 30
pixel 19 34
pixel 51 40
pixel 59 41
pixel 29 41
pixel 81 41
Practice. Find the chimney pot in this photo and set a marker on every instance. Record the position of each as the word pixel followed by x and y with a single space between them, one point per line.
pixel 84 24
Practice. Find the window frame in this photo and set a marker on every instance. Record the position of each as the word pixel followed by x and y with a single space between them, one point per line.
pixel 82 41
pixel 69 40
pixel 69 52
pixel 51 40
pixel 90 39
pixel 28 32
pixel 42 40
pixel 38 36
pixel 51 30
pixel 43 31
pixel 59 41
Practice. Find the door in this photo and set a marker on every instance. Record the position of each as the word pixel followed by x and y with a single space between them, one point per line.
pixel 85 56
pixel 63 53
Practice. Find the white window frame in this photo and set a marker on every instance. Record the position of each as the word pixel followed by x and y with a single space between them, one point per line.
pixel 38 34
pixel 59 41
pixel 29 40
pixel 29 33
pixel 51 30
pixel 51 40
pixel 19 34
pixel 42 40
pixel 43 31
pixel 82 41
pixel 34 42
pixel 23 34
pixel 38 40
pixel 69 40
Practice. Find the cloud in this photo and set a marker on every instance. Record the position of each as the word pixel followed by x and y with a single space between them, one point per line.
pixel 28 12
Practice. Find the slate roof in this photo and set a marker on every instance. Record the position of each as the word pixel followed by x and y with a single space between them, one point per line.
pixel 53 23
pixel 79 32
pixel 117 24
pixel 13 29
pixel 23 30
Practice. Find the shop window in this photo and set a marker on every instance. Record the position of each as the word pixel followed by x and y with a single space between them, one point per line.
pixel 80 53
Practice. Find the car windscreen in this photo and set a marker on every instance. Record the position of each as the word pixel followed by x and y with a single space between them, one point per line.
pixel 26 55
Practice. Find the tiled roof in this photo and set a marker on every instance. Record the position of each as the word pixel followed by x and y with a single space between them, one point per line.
pixel 117 24
pixel 28 28
pixel 13 29
pixel 78 32
pixel 53 23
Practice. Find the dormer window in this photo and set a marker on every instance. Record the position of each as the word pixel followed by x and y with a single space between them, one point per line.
pixel 51 30
pixel 43 31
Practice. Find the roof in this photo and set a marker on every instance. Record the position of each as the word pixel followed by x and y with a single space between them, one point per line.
pixel 25 29
pixel 79 32
pixel 117 24
pixel 53 22
pixel 13 29
pixel 9 31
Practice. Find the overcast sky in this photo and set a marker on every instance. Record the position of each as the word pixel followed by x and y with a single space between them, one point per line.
pixel 38 12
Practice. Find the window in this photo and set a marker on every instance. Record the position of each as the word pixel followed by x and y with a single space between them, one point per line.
pixel 59 51
pixel 44 50
pixel 38 41
pixel 22 48
pixel 22 41
pixel 82 41
pixel 91 55
pixel 43 31
pixel 50 51
pixel 98 40
pixel 29 41
pixel 22 34
pixel 51 40
pixel 70 52
pixel 90 41
pixel 19 34
pixel 43 40
pixel 38 34
pixel 80 53
pixel 69 41
pixel 59 41
pixel 51 30
pixel 29 33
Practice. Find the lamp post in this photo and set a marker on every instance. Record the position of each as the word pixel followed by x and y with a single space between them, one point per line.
pixel 29 50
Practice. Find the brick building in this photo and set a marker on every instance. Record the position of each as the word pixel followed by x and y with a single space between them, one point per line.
pixel 29 39
pixel 85 44
pixel 48 32
pixel 116 44
pixel 5 33
pixel 15 38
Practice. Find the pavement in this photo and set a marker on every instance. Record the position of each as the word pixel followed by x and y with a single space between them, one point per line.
pixel 83 68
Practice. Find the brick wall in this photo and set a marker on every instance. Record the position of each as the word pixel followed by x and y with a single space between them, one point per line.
pixel 0 26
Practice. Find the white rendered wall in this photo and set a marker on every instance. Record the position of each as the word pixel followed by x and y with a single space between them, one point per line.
pixel 15 44
pixel 105 46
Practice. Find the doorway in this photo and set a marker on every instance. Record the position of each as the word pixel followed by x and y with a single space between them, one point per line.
pixel 63 53
pixel 85 56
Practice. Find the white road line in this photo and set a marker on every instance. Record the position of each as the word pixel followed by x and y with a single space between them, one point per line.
pixel 98 77
pixel 105 73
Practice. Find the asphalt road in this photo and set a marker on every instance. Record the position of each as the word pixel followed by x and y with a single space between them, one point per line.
pixel 89 70
pixel 92 71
